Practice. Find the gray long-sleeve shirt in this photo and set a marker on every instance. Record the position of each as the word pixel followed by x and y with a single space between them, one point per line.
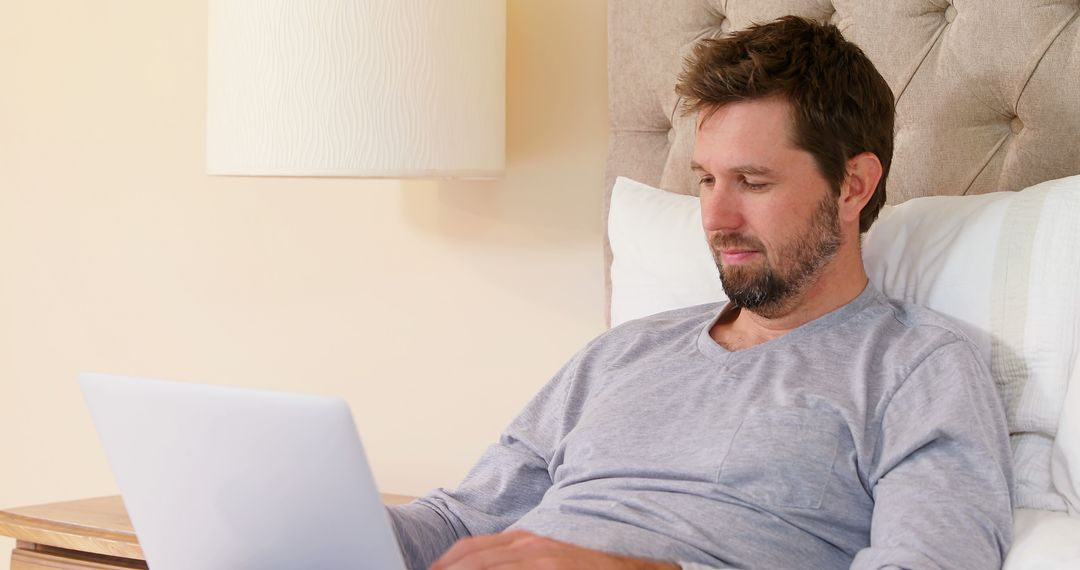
pixel 871 437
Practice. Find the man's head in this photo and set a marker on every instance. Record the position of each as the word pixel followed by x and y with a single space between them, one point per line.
pixel 795 136
pixel 841 106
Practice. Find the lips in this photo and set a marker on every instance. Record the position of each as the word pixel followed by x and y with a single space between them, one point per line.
pixel 735 249
pixel 736 256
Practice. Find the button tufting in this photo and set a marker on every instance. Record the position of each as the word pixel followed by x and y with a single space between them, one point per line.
pixel 950 13
pixel 1016 125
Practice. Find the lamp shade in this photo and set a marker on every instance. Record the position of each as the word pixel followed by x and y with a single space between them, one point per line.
pixel 367 88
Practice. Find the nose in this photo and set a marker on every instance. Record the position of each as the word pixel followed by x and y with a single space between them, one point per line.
pixel 720 210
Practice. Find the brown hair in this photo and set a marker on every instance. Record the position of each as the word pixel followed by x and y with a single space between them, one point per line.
pixel 841 104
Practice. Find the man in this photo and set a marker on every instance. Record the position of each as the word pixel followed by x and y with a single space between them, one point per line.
pixel 809 423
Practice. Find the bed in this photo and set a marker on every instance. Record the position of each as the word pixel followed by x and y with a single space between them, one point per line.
pixel 984 216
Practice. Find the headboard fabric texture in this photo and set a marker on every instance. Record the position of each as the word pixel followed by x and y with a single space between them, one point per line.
pixel 987 91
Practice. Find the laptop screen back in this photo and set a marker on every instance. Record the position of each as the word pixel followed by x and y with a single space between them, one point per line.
pixel 228 478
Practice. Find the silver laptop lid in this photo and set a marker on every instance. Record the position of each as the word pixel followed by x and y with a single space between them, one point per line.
pixel 228 478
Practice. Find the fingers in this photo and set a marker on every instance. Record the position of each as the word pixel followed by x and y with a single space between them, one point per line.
pixel 519 549
pixel 482 550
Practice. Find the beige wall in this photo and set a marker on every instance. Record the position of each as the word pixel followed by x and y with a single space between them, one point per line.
pixel 435 308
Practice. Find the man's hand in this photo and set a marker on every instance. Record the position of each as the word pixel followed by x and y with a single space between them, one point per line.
pixel 519 549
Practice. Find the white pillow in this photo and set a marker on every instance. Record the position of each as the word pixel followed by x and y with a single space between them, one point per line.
pixel 1043 540
pixel 660 260
pixel 1004 266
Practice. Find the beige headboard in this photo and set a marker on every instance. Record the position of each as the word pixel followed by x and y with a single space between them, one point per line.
pixel 987 91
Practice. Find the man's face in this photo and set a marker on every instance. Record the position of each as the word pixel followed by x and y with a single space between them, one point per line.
pixel 770 217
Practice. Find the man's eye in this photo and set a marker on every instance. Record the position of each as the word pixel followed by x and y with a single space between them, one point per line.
pixel 705 180
pixel 753 186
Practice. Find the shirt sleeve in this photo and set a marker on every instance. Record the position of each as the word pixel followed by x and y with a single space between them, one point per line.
pixel 508 481
pixel 942 479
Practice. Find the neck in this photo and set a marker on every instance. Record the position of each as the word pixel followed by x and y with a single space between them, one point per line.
pixel 843 279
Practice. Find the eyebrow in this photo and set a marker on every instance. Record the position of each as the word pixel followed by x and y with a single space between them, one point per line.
pixel 746 169
pixel 753 170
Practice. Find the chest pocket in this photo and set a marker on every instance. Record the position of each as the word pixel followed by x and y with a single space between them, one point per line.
pixel 782 457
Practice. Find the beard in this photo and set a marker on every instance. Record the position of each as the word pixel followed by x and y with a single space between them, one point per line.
pixel 769 290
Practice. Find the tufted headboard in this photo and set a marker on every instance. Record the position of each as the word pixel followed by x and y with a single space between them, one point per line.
pixel 987 91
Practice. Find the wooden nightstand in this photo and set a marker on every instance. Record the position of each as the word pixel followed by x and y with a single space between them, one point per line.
pixel 90 534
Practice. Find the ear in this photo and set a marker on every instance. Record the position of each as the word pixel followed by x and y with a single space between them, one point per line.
pixel 863 175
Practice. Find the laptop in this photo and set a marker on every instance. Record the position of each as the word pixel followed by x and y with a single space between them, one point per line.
pixel 231 479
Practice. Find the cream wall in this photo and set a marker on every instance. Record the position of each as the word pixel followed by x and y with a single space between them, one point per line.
pixel 435 308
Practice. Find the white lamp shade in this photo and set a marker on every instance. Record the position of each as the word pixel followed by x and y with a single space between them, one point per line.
pixel 369 88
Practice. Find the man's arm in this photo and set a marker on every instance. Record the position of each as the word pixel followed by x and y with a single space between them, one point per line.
pixel 504 485
pixel 942 476
pixel 509 480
